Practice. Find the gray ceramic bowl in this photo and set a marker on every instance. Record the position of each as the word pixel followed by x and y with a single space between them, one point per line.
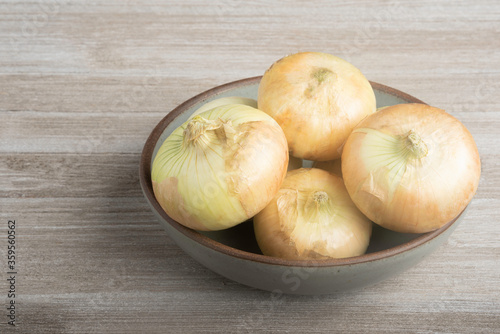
pixel 234 253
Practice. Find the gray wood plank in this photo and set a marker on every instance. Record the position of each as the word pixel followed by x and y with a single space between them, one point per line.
pixel 82 84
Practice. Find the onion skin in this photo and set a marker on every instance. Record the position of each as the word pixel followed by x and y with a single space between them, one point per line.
pixel 413 190
pixel 312 218
pixel 317 99
pixel 220 168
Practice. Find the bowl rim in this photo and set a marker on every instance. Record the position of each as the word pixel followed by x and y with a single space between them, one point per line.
pixel 147 188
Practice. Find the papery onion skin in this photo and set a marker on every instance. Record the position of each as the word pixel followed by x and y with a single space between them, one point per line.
pixel 411 191
pixel 222 101
pixel 317 99
pixel 215 176
pixel 312 218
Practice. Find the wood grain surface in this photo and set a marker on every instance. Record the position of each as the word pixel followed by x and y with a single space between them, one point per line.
pixel 83 83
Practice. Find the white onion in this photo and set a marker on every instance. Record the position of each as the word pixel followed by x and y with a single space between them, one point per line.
pixel 317 99
pixel 293 162
pixel 411 167
pixel 220 168
pixel 312 217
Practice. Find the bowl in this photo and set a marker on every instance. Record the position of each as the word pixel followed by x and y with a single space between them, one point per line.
pixel 234 253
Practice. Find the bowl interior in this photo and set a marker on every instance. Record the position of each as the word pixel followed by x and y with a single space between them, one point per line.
pixel 242 237
pixel 240 240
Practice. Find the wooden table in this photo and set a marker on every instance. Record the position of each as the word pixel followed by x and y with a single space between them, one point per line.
pixel 82 84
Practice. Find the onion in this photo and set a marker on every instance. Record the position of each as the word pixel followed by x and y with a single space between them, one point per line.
pixel 312 217
pixel 220 168
pixel 225 101
pixel 411 167
pixel 317 99
pixel 293 162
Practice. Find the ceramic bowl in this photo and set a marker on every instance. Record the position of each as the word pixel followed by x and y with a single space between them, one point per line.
pixel 234 252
